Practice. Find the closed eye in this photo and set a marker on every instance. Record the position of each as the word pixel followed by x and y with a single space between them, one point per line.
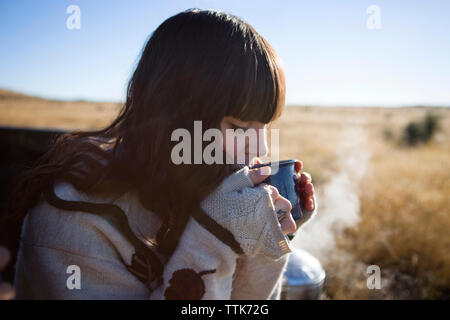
pixel 236 127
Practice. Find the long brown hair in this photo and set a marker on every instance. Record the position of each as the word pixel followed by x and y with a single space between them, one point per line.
pixel 197 65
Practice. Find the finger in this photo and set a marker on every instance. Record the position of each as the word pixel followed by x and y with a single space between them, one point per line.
pixel 273 192
pixel 298 166
pixel 288 224
pixel 305 177
pixel 6 291
pixel 308 204
pixel 308 176
pixel 302 180
pixel 256 161
pixel 309 190
pixel 282 205
pixel 283 209
pixel 260 174
pixel 4 257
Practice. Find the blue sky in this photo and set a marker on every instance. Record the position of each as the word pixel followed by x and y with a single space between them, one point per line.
pixel 330 55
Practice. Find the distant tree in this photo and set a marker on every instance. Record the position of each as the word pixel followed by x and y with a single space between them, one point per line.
pixel 430 125
pixel 421 131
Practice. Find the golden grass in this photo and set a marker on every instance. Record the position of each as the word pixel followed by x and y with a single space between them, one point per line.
pixel 25 111
pixel 405 220
pixel 404 200
pixel 404 194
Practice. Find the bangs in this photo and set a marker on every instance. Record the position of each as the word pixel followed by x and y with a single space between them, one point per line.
pixel 262 87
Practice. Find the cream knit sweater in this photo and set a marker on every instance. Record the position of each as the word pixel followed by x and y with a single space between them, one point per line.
pixel 58 245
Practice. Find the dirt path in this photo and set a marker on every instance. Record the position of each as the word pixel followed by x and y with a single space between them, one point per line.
pixel 337 200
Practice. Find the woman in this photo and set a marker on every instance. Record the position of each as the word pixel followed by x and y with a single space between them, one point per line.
pixel 111 216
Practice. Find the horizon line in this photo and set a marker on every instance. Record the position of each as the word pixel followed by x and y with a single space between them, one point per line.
pixel 290 105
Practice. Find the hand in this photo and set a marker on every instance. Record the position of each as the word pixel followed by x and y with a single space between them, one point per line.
pixel 305 188
pixel 6 290
pixel 280 203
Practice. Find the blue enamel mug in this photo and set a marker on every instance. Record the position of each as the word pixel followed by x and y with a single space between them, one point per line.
pixel 284 178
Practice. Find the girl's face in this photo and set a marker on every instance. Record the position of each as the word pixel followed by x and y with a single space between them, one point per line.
pixel 238 148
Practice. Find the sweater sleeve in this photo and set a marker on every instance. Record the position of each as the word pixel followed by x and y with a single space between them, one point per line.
pixel 203 267
pixel 248 212
pixel 258 277
pixel 247 282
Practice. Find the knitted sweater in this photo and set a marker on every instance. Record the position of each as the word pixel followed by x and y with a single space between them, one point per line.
pixel 79 255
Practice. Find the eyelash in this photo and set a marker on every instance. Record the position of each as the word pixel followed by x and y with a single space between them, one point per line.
pixel 236 127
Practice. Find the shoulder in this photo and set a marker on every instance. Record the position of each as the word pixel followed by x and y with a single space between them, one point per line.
pixel 75 232
pixel 53 239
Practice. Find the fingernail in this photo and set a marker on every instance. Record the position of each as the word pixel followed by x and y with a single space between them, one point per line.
pixel 308 176
pixel 265 171
pixel 298 166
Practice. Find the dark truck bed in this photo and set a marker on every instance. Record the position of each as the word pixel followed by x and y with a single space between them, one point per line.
pixel 19 148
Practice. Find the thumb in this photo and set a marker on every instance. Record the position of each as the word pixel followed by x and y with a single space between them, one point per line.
pixel 255 161
pixel 260 174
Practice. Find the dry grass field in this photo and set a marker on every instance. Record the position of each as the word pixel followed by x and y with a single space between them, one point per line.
pixel 26 111
pixel 385 204
pixel 379 202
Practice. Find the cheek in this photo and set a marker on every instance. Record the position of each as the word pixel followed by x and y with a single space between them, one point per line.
pixel 263 149
pixel 260 148
pixel 230 146
pixel 234 146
